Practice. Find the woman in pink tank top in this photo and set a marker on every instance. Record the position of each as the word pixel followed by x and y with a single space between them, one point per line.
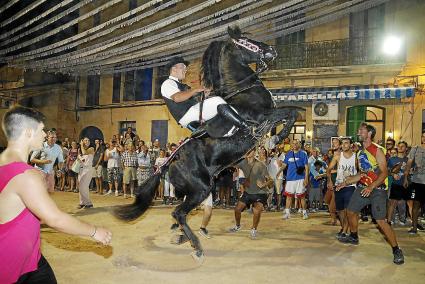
pixel 24 201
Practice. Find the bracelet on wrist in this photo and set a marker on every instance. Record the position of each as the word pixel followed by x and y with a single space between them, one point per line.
pixel 94 233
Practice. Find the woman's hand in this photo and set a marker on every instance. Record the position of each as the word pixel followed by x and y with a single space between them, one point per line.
pixel 102 235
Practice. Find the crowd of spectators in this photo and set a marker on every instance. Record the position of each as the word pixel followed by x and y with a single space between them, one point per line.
pixel 125 161
pixel 116 166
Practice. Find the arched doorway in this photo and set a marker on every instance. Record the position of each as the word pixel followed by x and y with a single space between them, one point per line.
pixel 91 132
pixel 373 115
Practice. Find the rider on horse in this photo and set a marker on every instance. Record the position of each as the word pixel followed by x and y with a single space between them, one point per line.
pixel 181 102
pixel 226 69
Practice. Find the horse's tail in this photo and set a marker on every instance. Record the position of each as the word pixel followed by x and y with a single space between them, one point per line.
pixel 144 197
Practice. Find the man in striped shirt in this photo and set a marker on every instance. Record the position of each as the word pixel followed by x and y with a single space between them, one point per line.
pixel 129 162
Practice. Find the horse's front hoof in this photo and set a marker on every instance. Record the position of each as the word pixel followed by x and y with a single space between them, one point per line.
pixel 174 227
pixel 198 256
pixel 179 239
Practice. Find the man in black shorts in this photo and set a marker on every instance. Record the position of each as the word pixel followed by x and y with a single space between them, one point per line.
pixel 371 189
pixel 257 181
pixel 417 187
pixel 398 194
pixel 346 166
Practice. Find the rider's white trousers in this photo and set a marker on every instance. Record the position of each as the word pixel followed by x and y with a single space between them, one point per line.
pixel 209 110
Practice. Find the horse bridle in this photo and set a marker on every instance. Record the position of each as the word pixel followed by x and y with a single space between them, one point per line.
pixel 261 65
pixel 246 44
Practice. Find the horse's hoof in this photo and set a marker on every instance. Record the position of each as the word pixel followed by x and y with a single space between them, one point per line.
pixel 179 239
pixel 174 227
pixel 198 256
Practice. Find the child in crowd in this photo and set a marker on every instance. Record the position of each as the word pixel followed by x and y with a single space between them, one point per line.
pixel 316 181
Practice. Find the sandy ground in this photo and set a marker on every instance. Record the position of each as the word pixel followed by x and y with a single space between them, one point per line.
pixel 288 251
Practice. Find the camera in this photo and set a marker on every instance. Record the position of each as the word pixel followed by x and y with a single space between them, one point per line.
pixel 300 170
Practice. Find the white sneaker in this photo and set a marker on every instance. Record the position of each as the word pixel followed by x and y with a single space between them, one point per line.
pixel 286 215
pixel 305 215
pixel 253 234
pixel 116 192
pixel 125 195
pixel 300 211
pixel 109 192
pixel 132 195
pixel 235 229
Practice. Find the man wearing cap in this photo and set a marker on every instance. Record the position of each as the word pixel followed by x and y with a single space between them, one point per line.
pixel 181 103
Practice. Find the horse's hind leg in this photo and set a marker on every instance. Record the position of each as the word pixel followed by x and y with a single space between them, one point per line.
pixel 180 215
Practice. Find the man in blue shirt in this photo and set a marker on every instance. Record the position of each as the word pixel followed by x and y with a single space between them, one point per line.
pixel 297 176
pixel 45 158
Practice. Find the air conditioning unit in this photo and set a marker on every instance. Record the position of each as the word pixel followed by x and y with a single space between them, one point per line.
pixel 325 110
pixel 4 103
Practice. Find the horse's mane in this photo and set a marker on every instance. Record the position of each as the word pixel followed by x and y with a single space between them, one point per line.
pixel 210 64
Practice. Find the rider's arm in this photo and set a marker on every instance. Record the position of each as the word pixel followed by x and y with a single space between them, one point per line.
pixel 170 90
pixel 185 95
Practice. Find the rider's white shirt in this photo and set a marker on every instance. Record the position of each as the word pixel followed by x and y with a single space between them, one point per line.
pixel 169 87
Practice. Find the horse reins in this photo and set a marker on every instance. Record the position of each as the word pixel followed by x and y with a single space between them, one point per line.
pixel 201 107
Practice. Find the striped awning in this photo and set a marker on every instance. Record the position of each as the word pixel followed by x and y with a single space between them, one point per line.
pixel 373 92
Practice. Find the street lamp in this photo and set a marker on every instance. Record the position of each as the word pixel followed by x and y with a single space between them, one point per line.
pixel 391 45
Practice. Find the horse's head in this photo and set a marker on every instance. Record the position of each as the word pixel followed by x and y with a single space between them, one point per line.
pixel 252 51
pixel 238 52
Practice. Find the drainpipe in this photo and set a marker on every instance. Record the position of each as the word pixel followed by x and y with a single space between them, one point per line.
pixel 77 98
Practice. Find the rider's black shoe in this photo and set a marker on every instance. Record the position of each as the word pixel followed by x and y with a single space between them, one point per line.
pixel 231 115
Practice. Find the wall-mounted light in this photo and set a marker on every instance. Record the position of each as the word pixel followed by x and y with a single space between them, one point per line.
pixel 390 134
pixel 309 133
pixel 391 45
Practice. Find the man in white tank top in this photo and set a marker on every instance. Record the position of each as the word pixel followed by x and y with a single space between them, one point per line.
pixel 346 166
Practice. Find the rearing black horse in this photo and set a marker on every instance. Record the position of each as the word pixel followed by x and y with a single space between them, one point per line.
pixel 225 69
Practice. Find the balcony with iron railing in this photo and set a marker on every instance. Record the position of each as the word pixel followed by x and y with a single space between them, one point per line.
pixel 342 52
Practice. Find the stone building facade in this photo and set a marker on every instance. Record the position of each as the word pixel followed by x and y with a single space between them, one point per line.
pixel 342 55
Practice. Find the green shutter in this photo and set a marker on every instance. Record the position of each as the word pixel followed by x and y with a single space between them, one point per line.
pixel 356 115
